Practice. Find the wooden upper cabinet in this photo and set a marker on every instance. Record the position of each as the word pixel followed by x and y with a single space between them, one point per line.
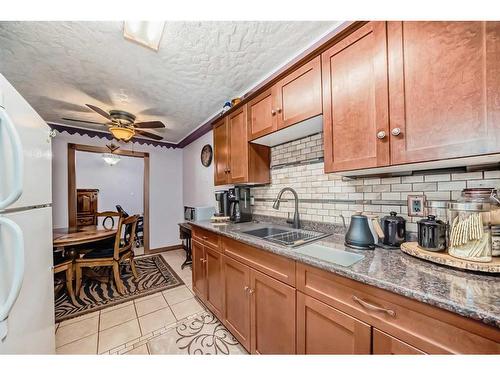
pixel 387 344
pixel 355 100
pixel 262 117
pixel 221 152
pixel 322 329
pixel 444 89
pixel 272 315
pixel 236 160
pixel 298 95
pixel 238 141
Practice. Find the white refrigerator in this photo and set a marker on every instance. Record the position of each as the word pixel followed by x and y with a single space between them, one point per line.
pixel 26 275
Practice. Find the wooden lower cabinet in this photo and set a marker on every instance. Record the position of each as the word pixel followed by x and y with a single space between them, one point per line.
pixel 236 299
pixel 198 256
pixel 322 329
pixel 272 315
pixel 384 343
pixel 213 269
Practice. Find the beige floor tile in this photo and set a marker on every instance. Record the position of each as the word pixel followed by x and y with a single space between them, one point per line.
pixel 156 320
pixel 72 332
pixel 119 306
pixel 118 335
pixel 177 295
pixel 141 350
pixel 87 345
pixel 117 316
pixel 150 305
pixel 147 297
pixel 79 318
pixel 186 308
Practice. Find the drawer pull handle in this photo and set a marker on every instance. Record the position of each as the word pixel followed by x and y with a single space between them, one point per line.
pixel 251 291
pixel 369 306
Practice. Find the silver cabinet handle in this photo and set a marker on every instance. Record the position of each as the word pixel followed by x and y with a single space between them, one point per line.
pixel 251 291
pixel 246 288
pixel 369 306
pixel 279 110
pixel 396 131
pixel 273 112
pixel 381 134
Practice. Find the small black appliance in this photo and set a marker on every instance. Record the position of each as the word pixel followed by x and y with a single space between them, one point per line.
pixel 222 203
pixel 240 210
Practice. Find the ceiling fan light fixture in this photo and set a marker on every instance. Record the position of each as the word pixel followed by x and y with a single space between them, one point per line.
pixel 122 133
pixel 111 159
pixel 146 33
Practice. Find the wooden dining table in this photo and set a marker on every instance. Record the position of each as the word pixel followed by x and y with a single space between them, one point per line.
pixel 64 240
pixel 67 237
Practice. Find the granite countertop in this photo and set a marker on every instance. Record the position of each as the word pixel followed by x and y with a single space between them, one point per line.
pixel 472 295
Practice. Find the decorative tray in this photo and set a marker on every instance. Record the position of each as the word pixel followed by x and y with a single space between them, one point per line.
pixel 442 257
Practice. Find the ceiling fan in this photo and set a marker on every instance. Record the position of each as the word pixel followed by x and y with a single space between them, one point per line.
pixel 122 124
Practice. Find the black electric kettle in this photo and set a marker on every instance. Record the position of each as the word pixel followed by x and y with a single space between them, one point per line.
pixel 394 228
pixel 359 236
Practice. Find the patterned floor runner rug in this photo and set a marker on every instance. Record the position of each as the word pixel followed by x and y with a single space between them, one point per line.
pixel 155 275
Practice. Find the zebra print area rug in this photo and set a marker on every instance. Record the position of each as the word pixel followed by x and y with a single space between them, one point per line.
pixel 155 275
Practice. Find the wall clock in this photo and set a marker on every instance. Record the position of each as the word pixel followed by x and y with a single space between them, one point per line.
pixel 206 155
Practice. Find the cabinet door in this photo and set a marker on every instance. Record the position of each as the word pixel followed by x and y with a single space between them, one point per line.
pixel 262 117
pixel 444 89
pixel 236 299
pixel 199 286
pixel 387 344
pixel 221 153
pixel 355 100
pixel 213 279
pixel 322 329
pixel 272 315
pixel 299 94
pixel 238 146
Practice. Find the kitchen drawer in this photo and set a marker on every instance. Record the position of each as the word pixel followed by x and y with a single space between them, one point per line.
pixel 276 266
pixel 206 237
pixel 427 328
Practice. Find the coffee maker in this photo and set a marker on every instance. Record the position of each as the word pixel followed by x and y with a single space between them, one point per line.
pixel 240 210
pixel 222 203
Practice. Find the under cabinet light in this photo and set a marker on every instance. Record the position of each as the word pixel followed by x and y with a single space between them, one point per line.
pixel 146 33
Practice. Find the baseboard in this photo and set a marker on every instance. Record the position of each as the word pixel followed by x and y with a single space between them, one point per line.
pixel 165 248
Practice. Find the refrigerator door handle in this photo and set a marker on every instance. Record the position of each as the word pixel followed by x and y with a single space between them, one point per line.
pixel 18 274
pixel 17 155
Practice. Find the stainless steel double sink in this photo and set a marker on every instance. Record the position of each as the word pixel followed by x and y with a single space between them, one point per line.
pixel 285 236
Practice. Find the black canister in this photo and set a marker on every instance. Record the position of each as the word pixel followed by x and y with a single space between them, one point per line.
pixel 394 228
pixel 432 234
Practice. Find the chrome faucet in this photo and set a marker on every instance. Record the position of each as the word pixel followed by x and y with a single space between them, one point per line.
pixel 276 205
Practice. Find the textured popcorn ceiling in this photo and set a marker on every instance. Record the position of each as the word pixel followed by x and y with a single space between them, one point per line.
pixel 60 66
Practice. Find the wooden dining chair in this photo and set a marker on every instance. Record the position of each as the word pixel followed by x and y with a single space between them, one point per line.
pixel 66 265
pixel 112 256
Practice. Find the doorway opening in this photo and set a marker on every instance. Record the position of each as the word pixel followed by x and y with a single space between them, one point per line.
pixel 92 181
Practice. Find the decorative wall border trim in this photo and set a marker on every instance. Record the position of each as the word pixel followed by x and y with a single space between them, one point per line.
pixel 375 202
pixel 102 135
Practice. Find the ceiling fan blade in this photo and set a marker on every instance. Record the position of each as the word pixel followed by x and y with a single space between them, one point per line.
pixel 89 122
pixel 148 134
pixel 149 125
pixel 102 112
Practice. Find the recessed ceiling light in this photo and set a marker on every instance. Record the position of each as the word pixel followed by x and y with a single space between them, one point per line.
pixel 146 33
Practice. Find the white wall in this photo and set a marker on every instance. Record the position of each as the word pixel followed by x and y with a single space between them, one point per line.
pixel 166 207
pixel 118 184
pixel 198 181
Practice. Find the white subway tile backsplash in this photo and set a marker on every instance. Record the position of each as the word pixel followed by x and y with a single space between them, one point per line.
pixel 311 183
